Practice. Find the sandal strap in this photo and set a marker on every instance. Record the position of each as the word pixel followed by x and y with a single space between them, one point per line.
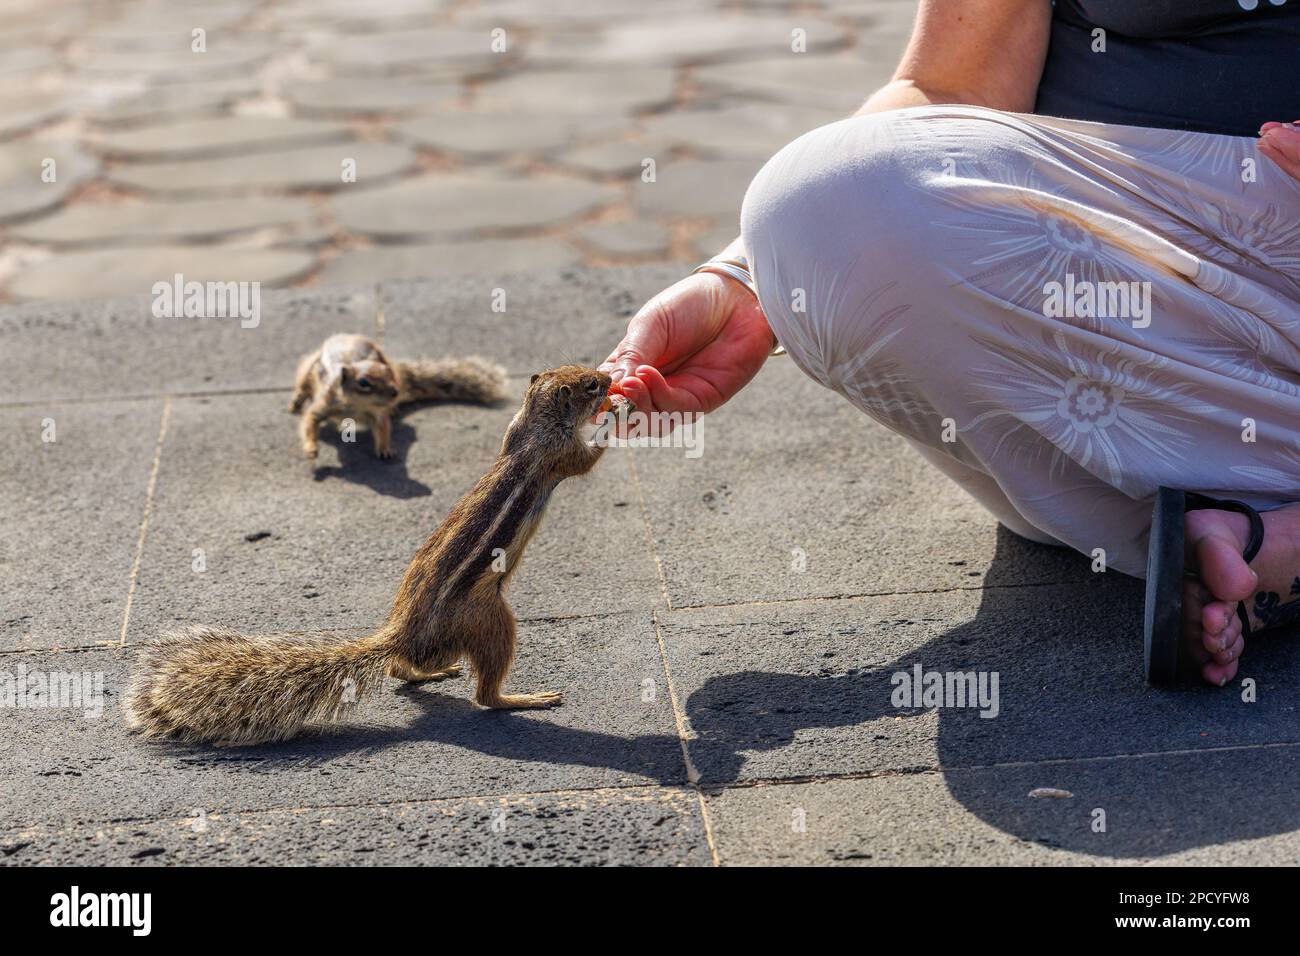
pixel 1245 619
pixel 1198 502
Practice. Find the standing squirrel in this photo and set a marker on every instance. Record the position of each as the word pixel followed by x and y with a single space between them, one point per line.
pixel 350 377
pixel 228 688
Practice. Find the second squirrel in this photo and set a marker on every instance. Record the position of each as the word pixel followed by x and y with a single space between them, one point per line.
pixel 349 376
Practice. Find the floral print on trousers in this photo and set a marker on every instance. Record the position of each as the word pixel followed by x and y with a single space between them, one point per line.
pixel 1062 316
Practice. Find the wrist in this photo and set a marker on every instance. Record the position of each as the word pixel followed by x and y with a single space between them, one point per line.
pixel 734 272
pixel 735 269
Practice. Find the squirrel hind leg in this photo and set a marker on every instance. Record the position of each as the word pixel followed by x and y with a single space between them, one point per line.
pixel 403 670
pixel 492 653
pixel 302 383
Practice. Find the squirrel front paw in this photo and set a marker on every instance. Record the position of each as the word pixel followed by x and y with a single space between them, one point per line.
pixel 310 450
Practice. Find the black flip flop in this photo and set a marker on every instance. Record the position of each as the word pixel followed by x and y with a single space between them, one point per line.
pixel 1164 606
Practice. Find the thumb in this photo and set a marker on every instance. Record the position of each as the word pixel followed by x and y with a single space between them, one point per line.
pixel 623 361
pixel 644 344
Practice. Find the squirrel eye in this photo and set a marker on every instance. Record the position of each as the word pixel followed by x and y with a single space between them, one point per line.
pixel 363 382
pixel 593 387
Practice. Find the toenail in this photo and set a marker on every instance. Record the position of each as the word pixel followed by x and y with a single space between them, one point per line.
pixel 1223 681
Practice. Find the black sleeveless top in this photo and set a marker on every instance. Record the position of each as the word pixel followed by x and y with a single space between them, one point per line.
pixel 1218 66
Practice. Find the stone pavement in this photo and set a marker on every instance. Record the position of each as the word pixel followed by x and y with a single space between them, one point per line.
pixel 725 628
pixel 328 141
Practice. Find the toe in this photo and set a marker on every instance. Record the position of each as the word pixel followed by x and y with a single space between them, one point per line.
pixel 1195 597
pixel 1219 674
pixel 1230 652
pixel 1219 625
pixel 1222 568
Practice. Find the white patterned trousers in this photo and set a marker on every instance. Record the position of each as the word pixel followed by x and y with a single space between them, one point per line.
pixel 1059 315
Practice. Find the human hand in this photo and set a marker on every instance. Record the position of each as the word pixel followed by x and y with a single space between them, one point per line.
pixel 691 347
pixel 1280 142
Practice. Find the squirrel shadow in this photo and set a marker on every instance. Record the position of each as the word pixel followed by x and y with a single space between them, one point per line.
pixel 1172 770
pixel 359 464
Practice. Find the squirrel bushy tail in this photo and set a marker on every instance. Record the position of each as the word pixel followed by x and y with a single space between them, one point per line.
pixel 470 379
pixel 216 685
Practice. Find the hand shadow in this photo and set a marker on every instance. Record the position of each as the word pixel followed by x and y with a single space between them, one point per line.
pixel 359 464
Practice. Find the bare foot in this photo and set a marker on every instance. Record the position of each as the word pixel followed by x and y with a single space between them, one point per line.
pixel 1270 584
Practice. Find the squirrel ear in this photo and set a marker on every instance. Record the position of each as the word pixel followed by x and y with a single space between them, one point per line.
pixel 565 390
pixel 533 380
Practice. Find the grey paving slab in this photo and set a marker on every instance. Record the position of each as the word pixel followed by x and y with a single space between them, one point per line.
pixel 621 827
pixel 496 133
pixel 171 103
pixel 401 743
pixel 575 12
pixel 71 512
pixel 754 130
pixel 217 136
pixel 125 222
pixel 314 167
pixel 462 202
pixel 130 271
pixel 341 530
pixel 696 38
pixel 100 348
pixel 696 187
pixel 1233 808
pixel 346 15
pixel 36 176
pixel 624 158
pixel 499 257
pixel 24 109
pixel 576 315
pixel 159 25
pixel 732 524
pixel 180 63
pixel 884 16
pixel 614 90
pixel 362 95
pixel 386 52
pixel 20 62
pixel 634 237
pixel 838 81
pixel 806 689
pixel 712 241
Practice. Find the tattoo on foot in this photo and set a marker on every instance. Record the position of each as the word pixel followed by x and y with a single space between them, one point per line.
pixel 1270 610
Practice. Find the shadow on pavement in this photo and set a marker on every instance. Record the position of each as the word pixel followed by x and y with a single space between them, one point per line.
pixel 359 465
pixel 1071 691
pixel 1170 770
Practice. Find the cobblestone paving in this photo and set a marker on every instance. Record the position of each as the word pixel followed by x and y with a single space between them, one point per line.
pixel 235 162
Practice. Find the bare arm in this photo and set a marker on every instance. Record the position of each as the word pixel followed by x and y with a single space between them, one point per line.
pixel 698 342
pixel 981 52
